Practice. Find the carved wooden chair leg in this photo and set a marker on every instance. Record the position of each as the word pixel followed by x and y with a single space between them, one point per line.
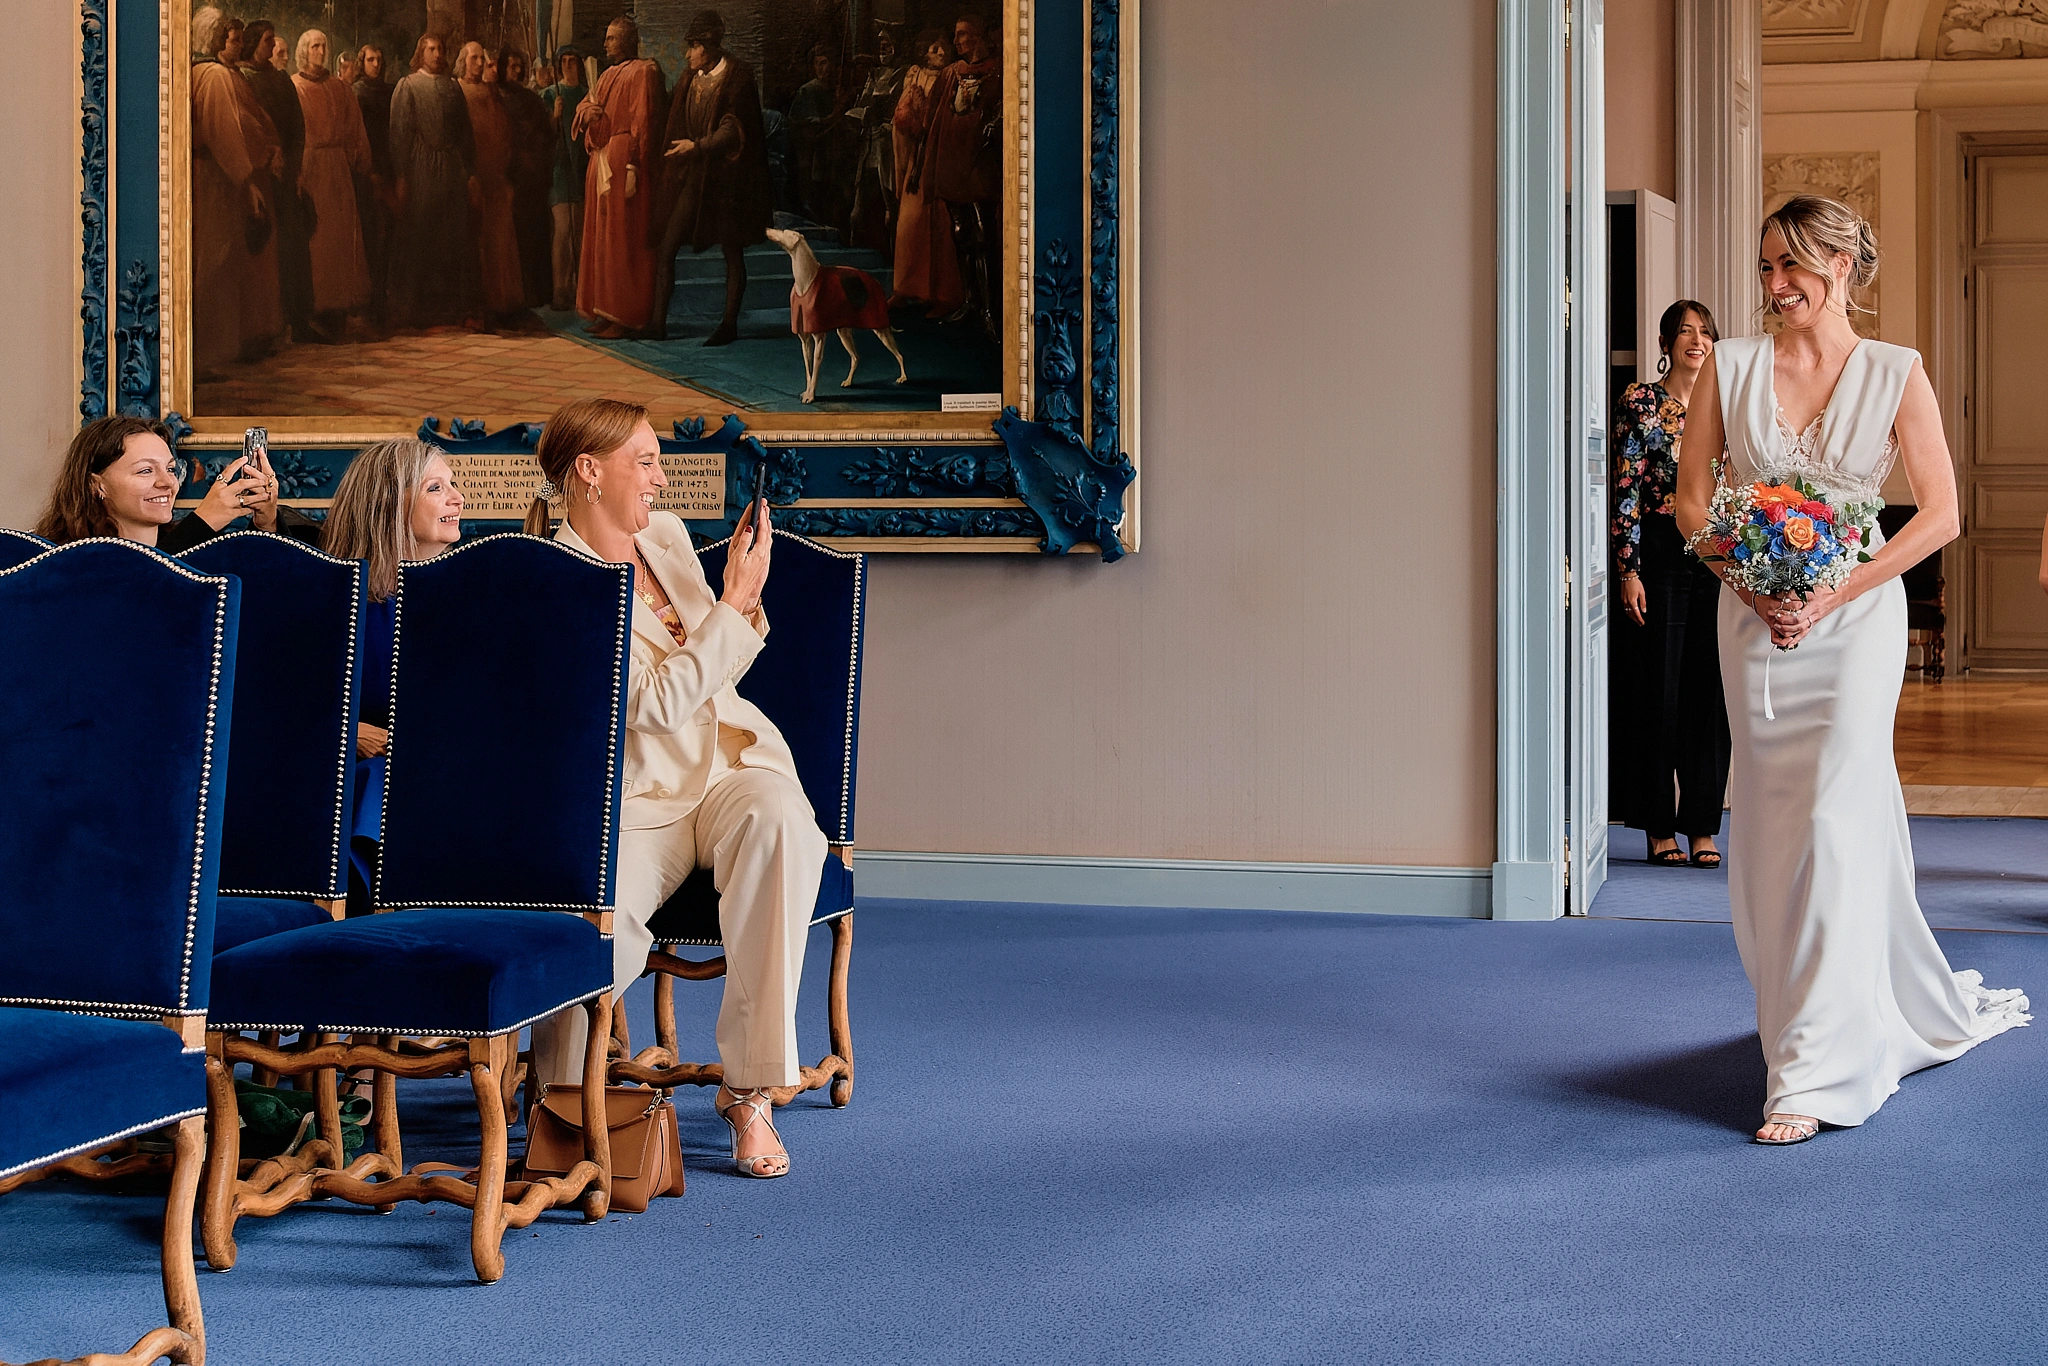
pixel 384 1119
pixel 264 1076
pixel 665 1013
pixel 181 1277
pixel 840 1024
pixel 327 1105
pixel 622 1033
pixel 508 1084
pixel 487 1216
pixel 223 1157
pixel 597 1139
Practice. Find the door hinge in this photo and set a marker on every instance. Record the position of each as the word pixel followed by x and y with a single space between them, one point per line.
pixel 1567 863
pixel 1567 583
pixel 1567 25
pixel 1966 405
pixel 1567 304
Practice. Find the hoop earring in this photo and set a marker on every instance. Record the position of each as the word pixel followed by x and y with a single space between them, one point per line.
pixel 592 493
pixel 1663 365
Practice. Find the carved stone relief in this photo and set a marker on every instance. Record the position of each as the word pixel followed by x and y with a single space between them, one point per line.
pixel 1976 29
pixel 1812 18
pixel 1851 177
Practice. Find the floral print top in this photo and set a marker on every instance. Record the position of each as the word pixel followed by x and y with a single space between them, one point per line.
pixel 1648 424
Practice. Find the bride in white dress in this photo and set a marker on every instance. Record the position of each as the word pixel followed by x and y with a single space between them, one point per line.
pixel 1852 992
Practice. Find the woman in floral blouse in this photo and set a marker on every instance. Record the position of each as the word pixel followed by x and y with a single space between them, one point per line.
pixel 1670 737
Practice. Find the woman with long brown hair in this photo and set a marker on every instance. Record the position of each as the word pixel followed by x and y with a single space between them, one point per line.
pixel 119 478
pixel 1671 726
pixel 709 780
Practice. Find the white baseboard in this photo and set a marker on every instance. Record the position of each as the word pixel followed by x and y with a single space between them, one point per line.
pixel 1207 883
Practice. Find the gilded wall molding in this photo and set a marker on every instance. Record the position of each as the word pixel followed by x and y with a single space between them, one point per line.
pixel 955 481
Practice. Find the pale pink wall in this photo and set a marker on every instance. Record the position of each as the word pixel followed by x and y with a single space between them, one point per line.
pixel 1642 113
pixel 38 401
pixel 1299 664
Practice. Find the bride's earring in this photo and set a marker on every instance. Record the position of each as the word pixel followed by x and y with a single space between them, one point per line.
pixel 592 493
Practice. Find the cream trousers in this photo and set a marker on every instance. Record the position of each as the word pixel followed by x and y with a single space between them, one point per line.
pixel 758 835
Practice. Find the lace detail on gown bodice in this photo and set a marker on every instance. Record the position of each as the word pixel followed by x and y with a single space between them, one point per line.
pixel 1799 453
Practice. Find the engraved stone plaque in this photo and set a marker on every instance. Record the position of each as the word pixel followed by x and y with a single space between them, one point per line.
pixel 500 487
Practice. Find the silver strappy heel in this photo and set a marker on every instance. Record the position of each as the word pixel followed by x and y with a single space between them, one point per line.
pixel 755 1101
pixel 1804 1128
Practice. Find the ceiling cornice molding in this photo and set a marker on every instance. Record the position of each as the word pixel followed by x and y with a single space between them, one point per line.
pixel 1845 87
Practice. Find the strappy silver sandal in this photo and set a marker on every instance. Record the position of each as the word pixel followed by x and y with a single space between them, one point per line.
pixel 1807 1129
pixel 755 1101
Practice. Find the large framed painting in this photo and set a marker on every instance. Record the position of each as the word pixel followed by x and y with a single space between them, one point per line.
pixel 886 248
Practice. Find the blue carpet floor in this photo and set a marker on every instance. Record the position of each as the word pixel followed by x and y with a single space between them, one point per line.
pixel 1162 1136
pixel 1974 874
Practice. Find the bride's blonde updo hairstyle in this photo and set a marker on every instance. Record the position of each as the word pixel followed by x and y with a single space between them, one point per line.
pixel 589 426
pixel 1815 229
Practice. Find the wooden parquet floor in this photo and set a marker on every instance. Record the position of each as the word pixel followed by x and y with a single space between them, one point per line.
pixel 1974 747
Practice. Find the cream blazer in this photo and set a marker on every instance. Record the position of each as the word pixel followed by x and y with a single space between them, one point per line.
pixel 677 696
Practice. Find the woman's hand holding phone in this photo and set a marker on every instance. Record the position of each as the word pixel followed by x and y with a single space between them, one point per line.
pixel 746 560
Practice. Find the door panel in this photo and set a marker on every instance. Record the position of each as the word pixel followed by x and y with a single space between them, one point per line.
pixel 1996 606
pixel 2012 202
pixel 2009 613
pixel 2012 364
pixel 1587 374
pixel 2009 509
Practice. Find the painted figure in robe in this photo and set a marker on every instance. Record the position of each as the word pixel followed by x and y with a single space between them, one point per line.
pixel 620 124
pixel 433 154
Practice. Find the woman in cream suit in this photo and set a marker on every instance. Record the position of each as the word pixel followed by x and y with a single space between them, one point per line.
pixel 709 780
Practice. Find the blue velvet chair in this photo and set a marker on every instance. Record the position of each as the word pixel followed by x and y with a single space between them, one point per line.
pixel 284 843
pixel 109 837
pixel 19 547
pixel 501 803
pixel 807 680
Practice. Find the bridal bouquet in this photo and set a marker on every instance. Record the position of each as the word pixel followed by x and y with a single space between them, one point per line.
pixel 1784 540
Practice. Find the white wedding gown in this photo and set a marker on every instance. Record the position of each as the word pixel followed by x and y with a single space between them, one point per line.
pixel 1852 992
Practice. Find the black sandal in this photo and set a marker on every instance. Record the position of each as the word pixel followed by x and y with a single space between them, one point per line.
pixel 1706 858
pixel 1674 857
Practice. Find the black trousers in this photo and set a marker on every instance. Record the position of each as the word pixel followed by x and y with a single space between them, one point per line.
pixel 1670 737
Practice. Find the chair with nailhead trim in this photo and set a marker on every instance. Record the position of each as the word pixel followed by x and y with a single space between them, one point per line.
pixel 114 743
pixel 283 854
pixel 501 803
pixel 807 681
pixel 19 547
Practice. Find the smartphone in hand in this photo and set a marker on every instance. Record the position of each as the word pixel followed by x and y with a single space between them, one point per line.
pixel 754 508
pixel 255 450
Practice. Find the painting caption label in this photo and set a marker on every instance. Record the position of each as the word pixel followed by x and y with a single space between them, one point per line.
pixel 500 487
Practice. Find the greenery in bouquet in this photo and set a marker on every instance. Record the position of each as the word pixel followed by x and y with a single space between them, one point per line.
pixel 1785 539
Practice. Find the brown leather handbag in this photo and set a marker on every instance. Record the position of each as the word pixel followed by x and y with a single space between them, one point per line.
pixel 647 1152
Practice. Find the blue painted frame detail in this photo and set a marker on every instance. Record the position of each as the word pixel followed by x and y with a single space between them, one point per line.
pixel 1077 494
pixel 1065 466
pixel 93 207
pixel 135 340
pixel 1105 241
